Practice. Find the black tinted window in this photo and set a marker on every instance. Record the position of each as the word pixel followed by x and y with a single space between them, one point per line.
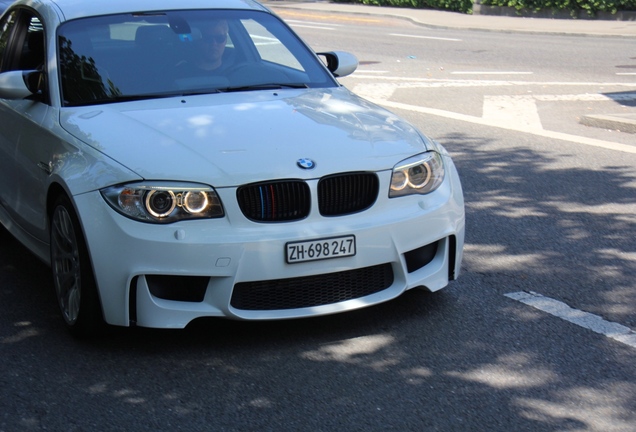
pixel 6 28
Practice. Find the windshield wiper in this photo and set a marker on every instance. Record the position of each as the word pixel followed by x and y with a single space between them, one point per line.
pixel 148 96
pixel 119 98
pixel 199 92
pixel 269 86
pixel 140 97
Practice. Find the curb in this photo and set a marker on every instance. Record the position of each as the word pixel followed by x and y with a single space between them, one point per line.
pixel 480 9
pixel 444 19
pixel 620 122
pixel 500 23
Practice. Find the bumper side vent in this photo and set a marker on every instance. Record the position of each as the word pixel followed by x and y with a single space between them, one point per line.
pixel 178 288
pixel 418 258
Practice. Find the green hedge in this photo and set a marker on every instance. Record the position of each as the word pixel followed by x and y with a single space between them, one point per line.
pixel 466 6
pixel 590 6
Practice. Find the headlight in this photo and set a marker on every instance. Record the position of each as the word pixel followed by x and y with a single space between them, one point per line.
pixel 420 174
pixel 162 203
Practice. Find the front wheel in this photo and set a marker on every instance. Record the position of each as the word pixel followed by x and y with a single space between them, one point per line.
pixel 73 277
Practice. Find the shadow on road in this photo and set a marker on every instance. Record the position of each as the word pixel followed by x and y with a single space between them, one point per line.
pixel 465 358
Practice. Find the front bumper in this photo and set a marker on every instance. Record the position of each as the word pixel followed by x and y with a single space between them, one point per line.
pixel 165 276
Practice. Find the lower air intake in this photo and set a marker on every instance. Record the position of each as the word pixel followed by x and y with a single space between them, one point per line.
pixel 312 291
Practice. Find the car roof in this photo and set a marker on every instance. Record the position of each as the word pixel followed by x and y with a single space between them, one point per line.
pixel 72 9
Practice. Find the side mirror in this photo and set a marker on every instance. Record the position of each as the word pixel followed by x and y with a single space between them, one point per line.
pixel 340 63
pixel 19 84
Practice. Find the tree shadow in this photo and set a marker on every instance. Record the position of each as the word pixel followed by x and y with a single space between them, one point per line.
pixel 627 98
pixel 553 219
pixel 465 358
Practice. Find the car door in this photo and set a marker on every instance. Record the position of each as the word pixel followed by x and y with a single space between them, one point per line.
pixel 24 143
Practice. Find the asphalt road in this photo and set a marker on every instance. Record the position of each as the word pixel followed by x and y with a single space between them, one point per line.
pixel 550 211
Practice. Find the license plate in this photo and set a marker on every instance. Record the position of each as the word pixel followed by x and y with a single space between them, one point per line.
pixel 311 250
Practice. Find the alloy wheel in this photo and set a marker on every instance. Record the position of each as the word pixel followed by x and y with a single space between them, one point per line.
pixel 65 262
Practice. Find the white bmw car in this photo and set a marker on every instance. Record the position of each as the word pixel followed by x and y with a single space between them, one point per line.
pixel 198 159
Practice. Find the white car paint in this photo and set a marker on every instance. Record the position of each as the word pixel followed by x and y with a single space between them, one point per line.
pixel 226 140
pixel 205 133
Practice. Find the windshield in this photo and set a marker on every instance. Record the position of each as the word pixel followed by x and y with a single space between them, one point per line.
pixel 137 56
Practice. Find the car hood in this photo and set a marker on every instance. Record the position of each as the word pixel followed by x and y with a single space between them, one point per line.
pixel 228 139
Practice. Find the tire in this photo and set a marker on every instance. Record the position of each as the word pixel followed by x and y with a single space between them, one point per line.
pixel 73 277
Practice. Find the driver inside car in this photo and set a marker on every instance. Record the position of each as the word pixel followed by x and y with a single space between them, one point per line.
pixel 209 50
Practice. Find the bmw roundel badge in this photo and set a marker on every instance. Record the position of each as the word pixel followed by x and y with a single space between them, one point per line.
pixel 305 163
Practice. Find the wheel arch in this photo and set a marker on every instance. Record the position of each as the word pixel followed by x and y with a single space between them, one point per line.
pixel 55 190
pixel 91 324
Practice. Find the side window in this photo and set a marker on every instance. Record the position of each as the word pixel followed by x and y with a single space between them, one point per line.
pixel 6 28
pixel 32 54
pixel 24 50
pixel 21 42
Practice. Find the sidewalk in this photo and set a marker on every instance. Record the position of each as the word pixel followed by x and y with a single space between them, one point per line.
pixel 446 19
pixel 503 24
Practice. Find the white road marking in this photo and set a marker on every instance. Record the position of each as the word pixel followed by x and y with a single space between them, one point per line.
pixel 380 93
pixel 490 73
pixel 517 111
pixel 521 110
pixel 311 26
pixel 428 82
pixel 608 145
pixel 425 37
pixel 597 324
pixel 265 40
pixel 310 23
pixel 586 97
pixel 625 73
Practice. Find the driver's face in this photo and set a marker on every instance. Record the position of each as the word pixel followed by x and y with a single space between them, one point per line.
pixel 214 39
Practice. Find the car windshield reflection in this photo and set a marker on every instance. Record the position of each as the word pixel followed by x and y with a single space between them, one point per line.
pixel 141 56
